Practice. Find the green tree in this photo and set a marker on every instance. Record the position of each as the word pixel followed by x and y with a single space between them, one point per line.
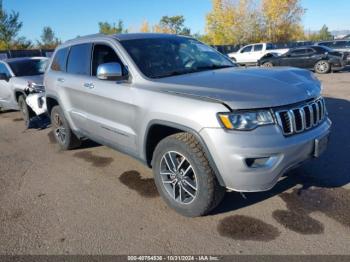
pixel 110 29
pixel 172 25
pixel 9 26
pixel 21 43
pixel 232 22
pixel 48 38
pixel 324 33
pixel 282 20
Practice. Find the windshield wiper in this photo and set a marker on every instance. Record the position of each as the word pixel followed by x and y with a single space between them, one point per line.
pixel 212 67
pixel 173 73
pixel 194 70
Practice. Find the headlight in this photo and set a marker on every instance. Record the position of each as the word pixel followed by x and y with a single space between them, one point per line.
pixel 35 88
pixel 246 120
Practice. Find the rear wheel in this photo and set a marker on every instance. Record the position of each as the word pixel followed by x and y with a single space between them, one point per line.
pixel 322 67
pixel 27 112
pixel 184 177
pixel 267 64
pixel 63 133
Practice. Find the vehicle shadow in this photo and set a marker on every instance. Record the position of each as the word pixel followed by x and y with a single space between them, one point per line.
pixel 39 122
pixel 329 171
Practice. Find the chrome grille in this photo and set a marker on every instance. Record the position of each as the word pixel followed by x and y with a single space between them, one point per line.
pixel 301 118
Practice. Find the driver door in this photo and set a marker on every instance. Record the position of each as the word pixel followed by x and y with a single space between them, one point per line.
pixel 245 54
pixel 109 105
pixel 5 89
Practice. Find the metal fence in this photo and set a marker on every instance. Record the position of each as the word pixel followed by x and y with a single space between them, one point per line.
pixel 4 54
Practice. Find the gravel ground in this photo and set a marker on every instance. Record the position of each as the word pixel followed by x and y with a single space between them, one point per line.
pixel 97 201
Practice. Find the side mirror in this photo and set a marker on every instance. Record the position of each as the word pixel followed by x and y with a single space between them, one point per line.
pixel 110 71
pixel 4 76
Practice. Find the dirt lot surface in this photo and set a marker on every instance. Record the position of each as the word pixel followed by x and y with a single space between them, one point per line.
pixel 97 201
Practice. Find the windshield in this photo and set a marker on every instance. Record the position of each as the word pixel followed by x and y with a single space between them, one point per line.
pixel 162 57
pixel 30 67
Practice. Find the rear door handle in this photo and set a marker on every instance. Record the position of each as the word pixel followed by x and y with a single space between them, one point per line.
pixel 89 85
pixel 61 80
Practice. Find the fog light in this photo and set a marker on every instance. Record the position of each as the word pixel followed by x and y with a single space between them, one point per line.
pixel 258 162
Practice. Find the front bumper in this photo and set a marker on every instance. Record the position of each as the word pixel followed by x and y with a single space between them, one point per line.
pixel 231 149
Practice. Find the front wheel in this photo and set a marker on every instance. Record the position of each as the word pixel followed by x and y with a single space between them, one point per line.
pixel 62 131
pixel 27 112
pixel 322 67
pixel 184 177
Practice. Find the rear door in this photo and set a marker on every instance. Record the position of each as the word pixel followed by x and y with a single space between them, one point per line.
pixel 71 84
pixel 257 52
pixel 311 57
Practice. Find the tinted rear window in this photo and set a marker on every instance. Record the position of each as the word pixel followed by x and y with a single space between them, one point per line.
pixel 59 61
pixel 79 59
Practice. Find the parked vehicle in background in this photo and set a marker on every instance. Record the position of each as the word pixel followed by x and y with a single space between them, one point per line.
pixel 187 111
pixel 337 45
pixel 18 78
pixel 250 54
pixel 319 58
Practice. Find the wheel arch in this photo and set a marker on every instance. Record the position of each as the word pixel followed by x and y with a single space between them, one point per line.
pixel 157 130
pixel 18 93
pixel 51 101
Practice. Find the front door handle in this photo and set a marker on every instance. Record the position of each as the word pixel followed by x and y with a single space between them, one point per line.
pixel 89 85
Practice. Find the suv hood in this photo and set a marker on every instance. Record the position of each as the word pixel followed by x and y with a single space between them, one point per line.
pixel 22 81
pixel 245 88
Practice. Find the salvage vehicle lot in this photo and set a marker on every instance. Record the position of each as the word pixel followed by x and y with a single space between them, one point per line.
pixel 97 201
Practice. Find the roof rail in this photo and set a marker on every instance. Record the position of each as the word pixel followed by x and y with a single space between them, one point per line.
pixel 85 36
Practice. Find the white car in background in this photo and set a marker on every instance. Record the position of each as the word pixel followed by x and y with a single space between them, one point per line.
pixel 250 54
pixel 21 86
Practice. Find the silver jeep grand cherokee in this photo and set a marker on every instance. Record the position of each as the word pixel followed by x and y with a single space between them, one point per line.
pixel 188 112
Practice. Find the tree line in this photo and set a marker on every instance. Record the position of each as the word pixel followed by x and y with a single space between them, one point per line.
pixel 229 22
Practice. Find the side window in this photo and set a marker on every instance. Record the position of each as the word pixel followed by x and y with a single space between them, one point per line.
pixel 4 70
pixel 247 49
pixel 79 59
pixel 258 48
pixel 299 52
pixel 59 61
pixel 103 54
pixel 310 51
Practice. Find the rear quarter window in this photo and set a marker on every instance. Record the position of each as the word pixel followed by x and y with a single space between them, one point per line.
pixel 79 59
pixel 59 61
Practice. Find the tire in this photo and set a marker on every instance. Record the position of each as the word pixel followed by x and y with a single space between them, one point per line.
pixel 322 67
pixel 184 148
pixel 27 112
pixel 267 65
pixel 64 135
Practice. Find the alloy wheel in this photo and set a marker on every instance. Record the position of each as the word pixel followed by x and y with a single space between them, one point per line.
pixel 178 177
pixel 59 129
pixel 322 67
